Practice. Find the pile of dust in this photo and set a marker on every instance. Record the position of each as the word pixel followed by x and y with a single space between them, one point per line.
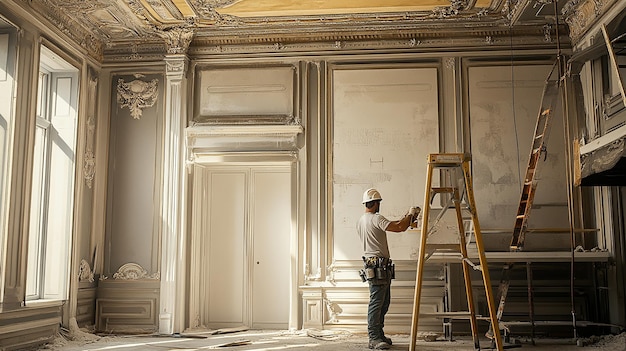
pixel 72 336
pixel 608 342
pixel 328 335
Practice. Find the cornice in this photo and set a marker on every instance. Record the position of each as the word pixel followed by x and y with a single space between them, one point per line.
pixel 581 15
pixel 335 42
pixel 366 38
pixel 140 31
pixel 59 19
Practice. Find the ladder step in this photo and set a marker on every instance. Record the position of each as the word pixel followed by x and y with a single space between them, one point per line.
pixel 442 190
pixel 446 160
pixel 459 314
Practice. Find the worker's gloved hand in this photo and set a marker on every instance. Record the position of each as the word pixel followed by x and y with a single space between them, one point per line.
pixel 414 210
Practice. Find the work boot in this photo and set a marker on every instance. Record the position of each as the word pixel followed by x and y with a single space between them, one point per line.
pixel 387 340
pixel 378 344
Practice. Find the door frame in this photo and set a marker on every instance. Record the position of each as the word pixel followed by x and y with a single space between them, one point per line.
pixel 195 294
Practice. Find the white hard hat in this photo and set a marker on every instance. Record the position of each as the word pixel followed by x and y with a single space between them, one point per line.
pixel 371 194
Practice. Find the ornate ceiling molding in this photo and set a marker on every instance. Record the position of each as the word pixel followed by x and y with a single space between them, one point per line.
pixel 58 16
pixel 144 30
pixel 208 9
pixel 412 36
pixel 580 15
pixel 177 39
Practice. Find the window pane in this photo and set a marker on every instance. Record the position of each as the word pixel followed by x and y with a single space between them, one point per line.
pixel 8 64
pixel 36 235
pixel 54 158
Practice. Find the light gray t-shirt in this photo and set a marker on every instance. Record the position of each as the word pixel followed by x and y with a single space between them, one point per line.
pixel 371 229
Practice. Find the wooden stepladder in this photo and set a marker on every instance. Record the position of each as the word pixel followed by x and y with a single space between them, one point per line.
pixel 454 164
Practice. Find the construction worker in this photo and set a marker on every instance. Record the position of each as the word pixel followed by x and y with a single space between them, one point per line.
pixel 378 269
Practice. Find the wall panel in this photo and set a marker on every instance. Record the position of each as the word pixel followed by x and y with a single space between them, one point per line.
pixel 385 123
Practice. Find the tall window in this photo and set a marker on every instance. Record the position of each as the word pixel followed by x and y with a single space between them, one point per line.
pixel 7 97
pixel 52 197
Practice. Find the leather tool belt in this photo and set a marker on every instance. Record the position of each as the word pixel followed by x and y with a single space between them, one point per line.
pixel 377 268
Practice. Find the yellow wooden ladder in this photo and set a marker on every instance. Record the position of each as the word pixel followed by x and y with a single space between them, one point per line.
pixel 459 187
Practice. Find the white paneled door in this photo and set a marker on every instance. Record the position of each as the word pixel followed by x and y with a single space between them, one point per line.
pixel 240 247
pixel 271 229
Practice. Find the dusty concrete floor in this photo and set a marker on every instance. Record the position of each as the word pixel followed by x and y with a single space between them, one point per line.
pixel 264 340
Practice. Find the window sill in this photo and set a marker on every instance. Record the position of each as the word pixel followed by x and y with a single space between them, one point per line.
pixel 44 303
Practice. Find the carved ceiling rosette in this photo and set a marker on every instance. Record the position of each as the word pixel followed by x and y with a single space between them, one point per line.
pixel 137 95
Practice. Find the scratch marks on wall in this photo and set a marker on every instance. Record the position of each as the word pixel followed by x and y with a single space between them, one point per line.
pixel 379 162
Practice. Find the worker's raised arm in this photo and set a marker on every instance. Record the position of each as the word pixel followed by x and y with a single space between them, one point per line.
pixel 404 223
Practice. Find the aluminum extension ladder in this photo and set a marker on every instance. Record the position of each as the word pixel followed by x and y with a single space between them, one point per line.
pixel 453 164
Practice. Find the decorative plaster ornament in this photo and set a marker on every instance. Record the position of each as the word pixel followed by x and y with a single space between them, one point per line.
pixel 334 310
pixel 84 272
pixel 137 95
pixel 89 160
pixel 89 168
pixel 177 39
pixel 133 271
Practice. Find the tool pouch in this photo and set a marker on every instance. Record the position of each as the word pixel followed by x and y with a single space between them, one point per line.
pixel 377 268
pixel 362 275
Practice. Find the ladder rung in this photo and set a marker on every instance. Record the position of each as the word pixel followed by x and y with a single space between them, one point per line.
pixel 446 160
pixel 459 314
pixel 442 190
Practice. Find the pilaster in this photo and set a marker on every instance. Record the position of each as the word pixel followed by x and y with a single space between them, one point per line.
pixel 172 197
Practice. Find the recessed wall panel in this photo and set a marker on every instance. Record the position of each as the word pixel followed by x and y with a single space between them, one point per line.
pixel 385 123
pixel 504 105
pixel 240 94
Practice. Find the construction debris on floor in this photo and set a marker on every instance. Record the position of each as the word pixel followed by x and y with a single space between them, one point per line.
pixel 309 339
